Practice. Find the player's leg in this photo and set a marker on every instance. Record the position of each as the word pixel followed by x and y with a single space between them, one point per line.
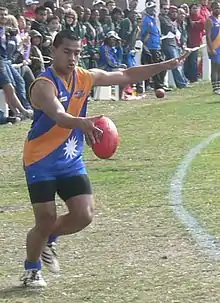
pixel 42 196
pixel 77 193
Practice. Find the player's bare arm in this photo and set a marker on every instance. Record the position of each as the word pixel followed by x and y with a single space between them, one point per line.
pixel 43 97
pixel 134 74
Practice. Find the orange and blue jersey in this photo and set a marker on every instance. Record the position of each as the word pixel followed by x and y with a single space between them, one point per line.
pixel 215 39
pixel 52 152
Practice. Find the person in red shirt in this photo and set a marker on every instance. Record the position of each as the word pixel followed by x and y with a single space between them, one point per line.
pixel 196 26
pixel 30 9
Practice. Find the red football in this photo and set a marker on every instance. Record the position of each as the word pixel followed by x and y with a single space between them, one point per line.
pixel 160 93
pixel 110 139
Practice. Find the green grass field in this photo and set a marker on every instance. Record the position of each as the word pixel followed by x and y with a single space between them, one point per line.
pixel 136 250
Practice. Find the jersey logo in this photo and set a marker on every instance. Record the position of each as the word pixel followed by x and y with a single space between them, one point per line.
pixel 79 94
pixel 63 99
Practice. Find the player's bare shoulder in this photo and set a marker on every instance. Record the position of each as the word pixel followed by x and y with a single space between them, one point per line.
pixel 41 90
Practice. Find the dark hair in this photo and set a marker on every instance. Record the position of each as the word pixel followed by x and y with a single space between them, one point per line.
pixel 117 10
pixel 40 9
pixel 214 4
pixel 64 34
pixel 54 17
pixel 110 1
pixel 50 5
pixel 194 4
pixel 3 9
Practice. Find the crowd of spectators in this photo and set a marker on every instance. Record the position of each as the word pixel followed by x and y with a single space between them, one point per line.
pixel 108 36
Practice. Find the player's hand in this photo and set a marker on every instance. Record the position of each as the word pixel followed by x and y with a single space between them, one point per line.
pixel 173 63
pixel 92 133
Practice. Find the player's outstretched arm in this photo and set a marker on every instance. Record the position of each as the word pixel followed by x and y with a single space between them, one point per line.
pixel 134 74
pixel 43 97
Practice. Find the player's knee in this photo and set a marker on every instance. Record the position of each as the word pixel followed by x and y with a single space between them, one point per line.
pixel 85 216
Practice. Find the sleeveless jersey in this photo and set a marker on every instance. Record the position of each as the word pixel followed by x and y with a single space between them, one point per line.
pixel 215 38
pixel 52 152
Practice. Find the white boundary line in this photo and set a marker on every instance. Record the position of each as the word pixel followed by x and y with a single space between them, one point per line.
pixel 206 242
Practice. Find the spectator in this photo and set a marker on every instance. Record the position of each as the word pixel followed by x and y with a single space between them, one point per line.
pixel 31 6
pixel 51 5
pixel 150 36
pixel 110 5
pixel 105 20
pixel 167 19
pixel 53 25
pixel 111 52
pixel 196 25
pixel 98 4
pixel 37 61
pixel 117 16
pixel 40 25
pixel 71 19
pixel 128 34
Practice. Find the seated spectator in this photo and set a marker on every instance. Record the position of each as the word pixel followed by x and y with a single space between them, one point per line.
pixel 128 34
pixel 40 25
pixel 6 83
pixel 60 13
pixel 117 16
pixel 98 4
pixel 111 53
pixel 53 25
pixel 23 38
pixel 51 5
pixel 105 20
pixel 31 6
pixel 70 19
pixel 110 5
pixel 37 61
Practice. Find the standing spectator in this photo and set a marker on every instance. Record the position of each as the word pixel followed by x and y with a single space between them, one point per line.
pixel 169 45
pixel 182 28
pixel 204 10
pixel 213 43
pixel 150 36
pixel 196 25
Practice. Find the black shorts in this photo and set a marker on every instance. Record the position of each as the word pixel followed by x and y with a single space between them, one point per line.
pixel 66 188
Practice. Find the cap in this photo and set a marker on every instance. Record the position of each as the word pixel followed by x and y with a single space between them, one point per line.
pixel 150 4
pixel 95 2
pixel 30 2
pixel 113 34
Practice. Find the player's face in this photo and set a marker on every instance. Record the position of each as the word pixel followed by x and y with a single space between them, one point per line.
pixel 67 55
